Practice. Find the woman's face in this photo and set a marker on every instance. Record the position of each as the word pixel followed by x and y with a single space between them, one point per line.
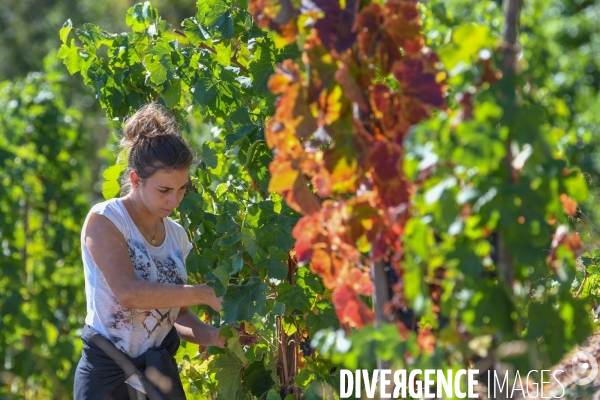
pixel 163 191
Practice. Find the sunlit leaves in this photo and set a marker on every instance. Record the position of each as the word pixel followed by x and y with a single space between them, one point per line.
pixel 73 57
pixel 263 65
pixel 216 17
pixel 141 16
pixel 194 32
pixel 65 30
pixel 110 188
pixel 217 91
pixel 467 41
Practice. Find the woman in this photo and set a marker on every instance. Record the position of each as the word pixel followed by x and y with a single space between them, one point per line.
pixel 134 264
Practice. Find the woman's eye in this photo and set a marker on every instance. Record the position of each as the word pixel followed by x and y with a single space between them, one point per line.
pixel 163 191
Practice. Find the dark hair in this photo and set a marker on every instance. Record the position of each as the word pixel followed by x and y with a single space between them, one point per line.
pixel 152 141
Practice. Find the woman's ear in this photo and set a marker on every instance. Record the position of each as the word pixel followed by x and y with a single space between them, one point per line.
pixel 134 178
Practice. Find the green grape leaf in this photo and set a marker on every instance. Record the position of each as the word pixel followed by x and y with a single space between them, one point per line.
pixel 293 296
pixel 249 241
pixel 278 308
pixel 72 57
pixel 224 53
pixel 230 239
pixel 90 35
pixel 209 155
pixel 258 165
pixel 273 395
pixel 65 30
pixel 110 189
pixel 242 302
pixel 258 379
pixel 263 65
pixel 272 222
pixel 273 263
pixel 194 32
pixel 221 273
pixel 141 16
pixel 216 15
pixel 158 72
pixel 172 96
pixel 229 376
pixel 233 342
pixel 323 319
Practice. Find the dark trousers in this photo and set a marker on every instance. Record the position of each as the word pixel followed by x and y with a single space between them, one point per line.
pixel 126 392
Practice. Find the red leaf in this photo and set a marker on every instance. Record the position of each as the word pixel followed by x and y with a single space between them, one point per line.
pixel 335 28
pixel 306 232
pixel 352 91
pixel 386 160
pixel 402 23
pixel 350 308
pixel 368 25
pixel 301 199
pixel 416 79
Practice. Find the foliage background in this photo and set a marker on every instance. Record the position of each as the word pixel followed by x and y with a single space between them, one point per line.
pixel 55 142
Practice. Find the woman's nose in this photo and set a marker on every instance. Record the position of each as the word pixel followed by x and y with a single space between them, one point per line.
pixel 172 200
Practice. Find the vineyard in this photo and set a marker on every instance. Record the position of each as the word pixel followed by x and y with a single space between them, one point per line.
pixel 382 184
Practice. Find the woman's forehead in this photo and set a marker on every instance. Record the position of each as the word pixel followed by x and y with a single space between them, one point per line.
pixel 171 178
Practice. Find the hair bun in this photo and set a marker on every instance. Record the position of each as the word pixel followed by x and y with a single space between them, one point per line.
pixel 150 121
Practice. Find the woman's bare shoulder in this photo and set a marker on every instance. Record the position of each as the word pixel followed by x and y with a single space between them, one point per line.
pixel 100 225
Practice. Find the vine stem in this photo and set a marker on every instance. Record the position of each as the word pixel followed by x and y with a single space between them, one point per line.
pixel 249 264
pixel 282 349
pixel 585 277
pixel 266 341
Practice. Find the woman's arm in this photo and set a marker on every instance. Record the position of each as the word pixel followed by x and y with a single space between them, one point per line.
pixel 109 250
pixel 191 329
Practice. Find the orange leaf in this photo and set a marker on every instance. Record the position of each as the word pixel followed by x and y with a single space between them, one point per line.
pixel 283 175
pixel 426 340
pixel 350 308
pixel 569 205
pixel 301 198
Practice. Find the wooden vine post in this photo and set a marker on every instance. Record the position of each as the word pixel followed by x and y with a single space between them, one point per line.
pixel 510 49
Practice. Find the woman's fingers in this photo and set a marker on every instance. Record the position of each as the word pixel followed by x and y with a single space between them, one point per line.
pixel 248 340
pixel 216 305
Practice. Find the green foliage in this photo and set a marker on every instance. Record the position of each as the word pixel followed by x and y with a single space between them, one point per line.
pixel 43 202
pixel 214 81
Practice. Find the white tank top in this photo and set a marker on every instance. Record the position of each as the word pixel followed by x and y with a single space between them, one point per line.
pixel 131 330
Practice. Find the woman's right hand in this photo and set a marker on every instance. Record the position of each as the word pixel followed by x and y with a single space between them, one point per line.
pixel 207 296
pixel 216 303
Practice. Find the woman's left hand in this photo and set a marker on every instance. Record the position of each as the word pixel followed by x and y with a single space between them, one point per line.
pixel 246 339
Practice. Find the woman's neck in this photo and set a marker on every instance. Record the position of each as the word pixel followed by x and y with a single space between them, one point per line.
pixel 144 216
